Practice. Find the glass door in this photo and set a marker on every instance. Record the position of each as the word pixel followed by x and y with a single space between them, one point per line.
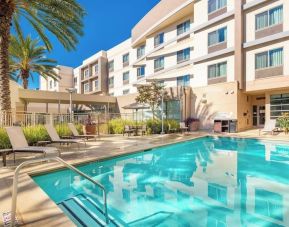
pixel 259 116
pixel 262 116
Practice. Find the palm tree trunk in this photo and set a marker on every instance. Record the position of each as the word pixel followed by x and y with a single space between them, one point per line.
pixel 25 81
pixel 25 86
pixel 6 12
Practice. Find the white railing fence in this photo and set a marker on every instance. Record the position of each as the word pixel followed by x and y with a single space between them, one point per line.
pixel 31 119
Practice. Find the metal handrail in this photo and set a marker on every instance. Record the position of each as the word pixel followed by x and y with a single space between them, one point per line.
pixel 15 184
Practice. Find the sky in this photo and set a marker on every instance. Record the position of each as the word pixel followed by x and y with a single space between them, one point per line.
pixel 107 23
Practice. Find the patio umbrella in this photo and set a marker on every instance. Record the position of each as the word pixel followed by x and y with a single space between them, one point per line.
pixel 136 106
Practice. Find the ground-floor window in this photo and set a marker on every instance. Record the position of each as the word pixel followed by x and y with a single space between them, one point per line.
pixel 279 104
pixel 172 110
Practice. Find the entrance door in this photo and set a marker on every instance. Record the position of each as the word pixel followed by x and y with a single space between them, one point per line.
pixel 259 116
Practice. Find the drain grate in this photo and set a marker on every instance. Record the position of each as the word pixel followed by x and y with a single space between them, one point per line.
pixel 6 217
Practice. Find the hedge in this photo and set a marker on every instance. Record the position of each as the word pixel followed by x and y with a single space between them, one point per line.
pixel 116 126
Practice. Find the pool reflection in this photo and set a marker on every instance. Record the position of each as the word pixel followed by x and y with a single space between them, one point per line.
pixel 205 182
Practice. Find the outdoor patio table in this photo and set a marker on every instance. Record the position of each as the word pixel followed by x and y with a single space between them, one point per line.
pixel 4 153
pixel 136 129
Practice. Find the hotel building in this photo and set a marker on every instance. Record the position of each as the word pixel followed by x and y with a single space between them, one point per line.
pixel 212 56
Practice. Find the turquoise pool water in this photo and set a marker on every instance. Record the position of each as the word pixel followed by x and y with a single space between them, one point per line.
pixel 204 182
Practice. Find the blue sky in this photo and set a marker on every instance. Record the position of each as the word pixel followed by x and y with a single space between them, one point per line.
pixel 108 22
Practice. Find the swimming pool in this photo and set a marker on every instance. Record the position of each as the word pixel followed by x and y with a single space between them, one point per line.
pixel 209 181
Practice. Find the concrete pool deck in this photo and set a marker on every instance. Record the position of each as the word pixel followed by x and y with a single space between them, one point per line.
pixel 34 208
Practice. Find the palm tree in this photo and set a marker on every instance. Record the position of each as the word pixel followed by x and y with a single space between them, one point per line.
pixel 27 57
pixel 61 18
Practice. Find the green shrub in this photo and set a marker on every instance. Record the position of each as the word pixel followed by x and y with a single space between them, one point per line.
pixel 79 128
pixel 4 140
pixel 116 126
pixel 283 122
pixel 34 134
pixel 63 130
pixel 155 126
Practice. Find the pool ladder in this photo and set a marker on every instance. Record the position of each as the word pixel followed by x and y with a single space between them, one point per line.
pixel 59 160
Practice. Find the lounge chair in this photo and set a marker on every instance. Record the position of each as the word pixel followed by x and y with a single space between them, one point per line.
pixel 127 129
pixel 56 139
pixel 19 143
pixel 270 127
pixel 183 127
pixel 76 134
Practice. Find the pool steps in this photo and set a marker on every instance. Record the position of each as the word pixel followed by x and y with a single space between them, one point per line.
pixel 84 211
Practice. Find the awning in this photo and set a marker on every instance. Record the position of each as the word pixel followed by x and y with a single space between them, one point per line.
pixel 136 106
pixel 173 48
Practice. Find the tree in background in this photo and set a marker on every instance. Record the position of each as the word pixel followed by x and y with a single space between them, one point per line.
pixel 61 18
pixel 151 94
pixel 28 57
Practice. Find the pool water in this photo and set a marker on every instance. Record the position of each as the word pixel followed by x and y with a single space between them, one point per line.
pixel 209 181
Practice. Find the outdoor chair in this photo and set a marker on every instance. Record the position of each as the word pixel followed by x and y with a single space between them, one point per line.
pixel 76 134
pixel 128 130
pixel 56 139
pixel 20 144
pixel 171 130
pixel 143 130
pixel 270 127
pixel 183 127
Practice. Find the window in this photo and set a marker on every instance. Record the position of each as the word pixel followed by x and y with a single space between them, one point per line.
pixel 183 55
pixel 217 70
pixel 161 83
pixel 272 58
pixel 96 85
pixel 183 81
pixel 75 80
pixel 140 51
pixel 86 73
pixel 125 77
pixel 159 39
pixel 184 27
pixel 214 5
pixel 141 71
pixel 217 192
pixel 269 204
pixel 95 69
pixel 172 109
pixel 159 63
pixel 111 82
pixel 218 36
pixel 111 66
pixel 125 92
pixel 111 93
pixel 125 59
pixel 55 83
pixel 279 104
pixel 269 18
pixel 50 84
pixel 86 87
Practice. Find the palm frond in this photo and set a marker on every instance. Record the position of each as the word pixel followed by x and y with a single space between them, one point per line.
pixel 63 18
pixel 27 58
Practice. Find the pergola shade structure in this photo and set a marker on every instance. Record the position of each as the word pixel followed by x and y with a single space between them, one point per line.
pixel 47 97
